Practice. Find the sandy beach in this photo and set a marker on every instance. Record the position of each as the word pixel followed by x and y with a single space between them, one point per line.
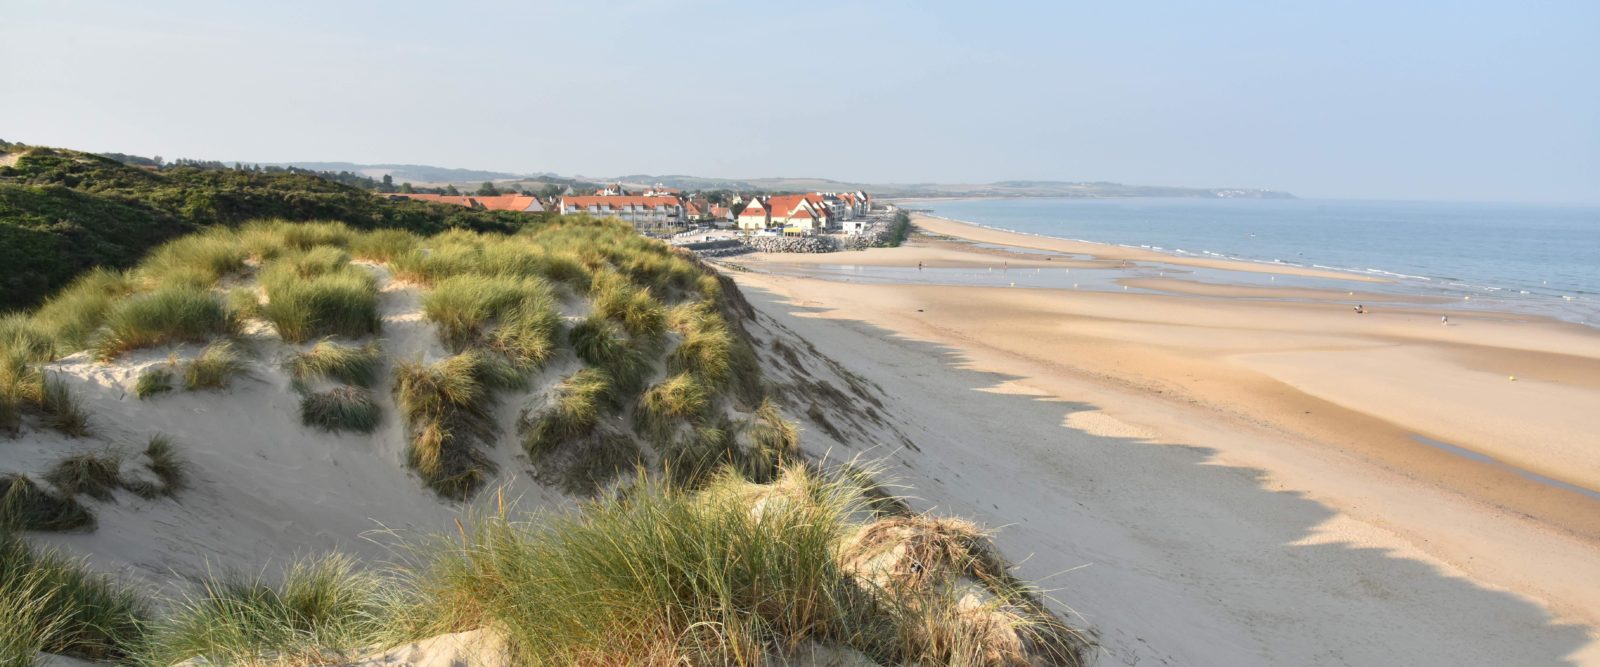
pixel 1463 453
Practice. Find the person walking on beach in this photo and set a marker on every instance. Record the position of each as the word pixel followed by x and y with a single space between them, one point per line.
pixel 1444 319
pixel 1360 309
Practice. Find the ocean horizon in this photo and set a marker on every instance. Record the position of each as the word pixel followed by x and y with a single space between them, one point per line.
pixel 1532 258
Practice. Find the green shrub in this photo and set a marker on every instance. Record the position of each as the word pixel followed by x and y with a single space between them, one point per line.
pixel 25 506
pixel 340 409
pixel 333 361
pixel 446 407
pixel 674 400
pixel 214 368
pixel 167 315
pixel 340 303
pixel 95 475
pixel 54 604
pixel 152 381
pixel 324 609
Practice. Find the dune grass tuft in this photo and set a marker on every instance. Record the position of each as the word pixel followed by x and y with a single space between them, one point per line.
pixel 72 315
pixel 242 303
pixel 164 462
pixel 96 475
pixel 214 368
pixel 706 349
pixel 462 306
pixel 639 313
pixel 663 407
pixel 322 610
pixel 310 300
pixel 383 245
pixel 340 409
pixel 26 506
pixel 152 381
pixel 602 343
pixel 167 315
pixel 328 360
pixel 563 443
pixel 194 261
pixel 573 411
pixel 61 409
pixel 447 410
pixel 657 576
pixel 53 604
pixel 774 441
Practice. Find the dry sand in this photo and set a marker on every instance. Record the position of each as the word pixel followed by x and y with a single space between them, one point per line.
pixel 1298 520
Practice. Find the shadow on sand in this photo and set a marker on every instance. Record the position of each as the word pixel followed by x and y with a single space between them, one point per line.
pixel 1169 555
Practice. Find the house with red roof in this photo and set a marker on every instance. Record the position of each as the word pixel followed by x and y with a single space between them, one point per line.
pixel 639 210
pixel 524 203
pixel 754 216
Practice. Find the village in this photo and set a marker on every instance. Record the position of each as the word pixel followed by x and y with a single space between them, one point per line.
pixel 742 222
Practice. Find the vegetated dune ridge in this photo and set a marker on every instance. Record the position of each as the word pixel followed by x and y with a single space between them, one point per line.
pixel 1223 459
pixel 207 427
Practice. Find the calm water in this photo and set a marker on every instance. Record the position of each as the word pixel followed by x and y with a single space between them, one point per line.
pixel 1527 257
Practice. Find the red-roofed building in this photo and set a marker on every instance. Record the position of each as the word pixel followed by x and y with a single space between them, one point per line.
pixel 639 210
pixel 496 203
pixel 754 216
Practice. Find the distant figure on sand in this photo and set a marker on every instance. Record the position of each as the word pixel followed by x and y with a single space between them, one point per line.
pixel 1360 309
pixel 919 266
pixel 1444 319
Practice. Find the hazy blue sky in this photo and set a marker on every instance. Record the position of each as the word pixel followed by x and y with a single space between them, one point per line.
pixel 1441 100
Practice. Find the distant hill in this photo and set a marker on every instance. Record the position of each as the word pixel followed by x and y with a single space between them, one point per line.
pixel 996 189
pixel 409 173
pixel 426 175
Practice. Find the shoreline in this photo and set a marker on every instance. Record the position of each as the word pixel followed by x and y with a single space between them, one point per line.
pixel 1337 401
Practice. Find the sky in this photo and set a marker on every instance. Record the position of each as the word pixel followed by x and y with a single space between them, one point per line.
pixel 1469 101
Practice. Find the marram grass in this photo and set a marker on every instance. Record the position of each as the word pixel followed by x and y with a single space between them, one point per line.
pixel 168 315
pixel 330 360
pixel 214 367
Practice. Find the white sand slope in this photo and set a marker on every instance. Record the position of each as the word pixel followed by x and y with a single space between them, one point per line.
pixel 264 488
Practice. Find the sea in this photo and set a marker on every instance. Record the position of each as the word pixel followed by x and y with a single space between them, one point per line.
pixel 1532 258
